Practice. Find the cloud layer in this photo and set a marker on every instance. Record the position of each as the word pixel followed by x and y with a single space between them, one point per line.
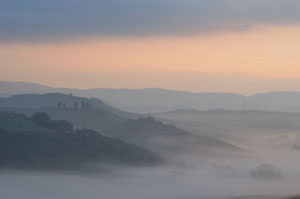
pixel 44 19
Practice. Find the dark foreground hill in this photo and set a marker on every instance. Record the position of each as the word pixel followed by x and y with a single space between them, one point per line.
pixel 41 143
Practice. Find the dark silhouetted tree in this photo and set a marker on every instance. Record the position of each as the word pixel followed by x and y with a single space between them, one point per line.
pixel 59 105
pixel 75 105
pixel 41 118
pixel 61 125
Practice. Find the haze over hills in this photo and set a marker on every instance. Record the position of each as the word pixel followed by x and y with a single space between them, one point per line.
pixel 152 100
pixel 12 88
pixel 149 99
pixel 211 145
pixel 239 127
pixel 155 135
pixel 235 120
pixel 50 100
pixel 82 112
pixel 146 132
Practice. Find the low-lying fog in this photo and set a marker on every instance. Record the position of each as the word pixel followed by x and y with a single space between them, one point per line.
pixel 269 167
pixel 272 168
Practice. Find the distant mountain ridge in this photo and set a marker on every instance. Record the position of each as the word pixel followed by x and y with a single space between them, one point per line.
pixel 12 88
pixel 150 100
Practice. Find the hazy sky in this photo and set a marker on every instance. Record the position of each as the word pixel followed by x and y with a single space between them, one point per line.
pixel 197 45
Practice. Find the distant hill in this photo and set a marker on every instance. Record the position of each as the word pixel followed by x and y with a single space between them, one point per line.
pixel 97 115
pixel 50 100
pixel 233 122
pixel 284 101
pixel 157 136
pixel 150 100
pixel 48 144
pixel 13 88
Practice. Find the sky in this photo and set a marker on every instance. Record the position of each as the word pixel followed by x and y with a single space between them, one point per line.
pixel 247 46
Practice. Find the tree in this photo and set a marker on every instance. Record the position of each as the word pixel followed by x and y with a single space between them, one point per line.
pixel 59 105
pixel 82 105
pixel 41 118
pixel 76 106
pixel 61 125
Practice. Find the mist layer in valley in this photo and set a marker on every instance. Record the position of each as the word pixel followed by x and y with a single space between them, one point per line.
pixel 179 154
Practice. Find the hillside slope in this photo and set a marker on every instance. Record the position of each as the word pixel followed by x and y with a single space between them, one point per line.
pixel 157 136
pixel 58 147
pixel 17 122
pixel 82 112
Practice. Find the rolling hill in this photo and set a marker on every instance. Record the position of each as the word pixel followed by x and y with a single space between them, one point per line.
pixel 238 122
pixel 157 136
pixel 97 115
pixel 45 144
pixel 146 132
pixel 151 100
pixel 17 122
